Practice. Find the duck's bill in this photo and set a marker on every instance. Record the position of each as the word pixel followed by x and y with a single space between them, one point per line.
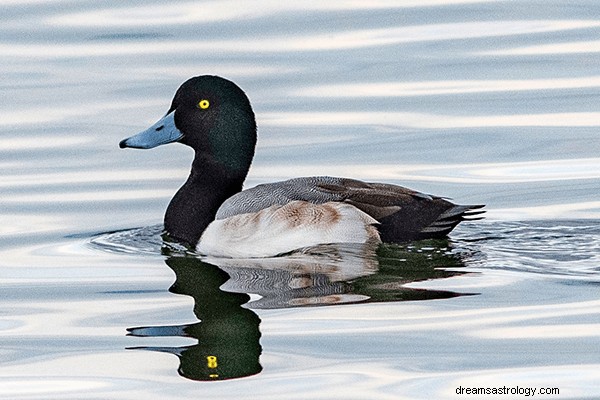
pixel 162 132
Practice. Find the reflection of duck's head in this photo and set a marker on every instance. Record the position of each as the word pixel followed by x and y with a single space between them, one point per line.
pixel 213 116
pixel 228 334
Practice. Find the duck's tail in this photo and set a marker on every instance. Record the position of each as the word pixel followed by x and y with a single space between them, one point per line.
pixel 452 217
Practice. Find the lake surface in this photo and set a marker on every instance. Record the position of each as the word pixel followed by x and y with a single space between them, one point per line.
pixel 482 101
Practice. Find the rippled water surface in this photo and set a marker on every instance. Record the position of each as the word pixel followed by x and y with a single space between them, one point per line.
pixel 482 101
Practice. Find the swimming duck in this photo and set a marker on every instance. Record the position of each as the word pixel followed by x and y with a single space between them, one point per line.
pixel 212 213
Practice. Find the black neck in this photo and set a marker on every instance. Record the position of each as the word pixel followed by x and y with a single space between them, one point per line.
pixel 195 204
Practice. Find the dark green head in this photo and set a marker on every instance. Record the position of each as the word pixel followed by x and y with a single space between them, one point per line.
pixel 210 114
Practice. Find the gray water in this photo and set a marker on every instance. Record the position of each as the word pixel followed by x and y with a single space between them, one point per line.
pixel 491 102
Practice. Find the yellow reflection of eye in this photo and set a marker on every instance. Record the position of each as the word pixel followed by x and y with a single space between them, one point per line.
pixel 203 104
pixel 211 362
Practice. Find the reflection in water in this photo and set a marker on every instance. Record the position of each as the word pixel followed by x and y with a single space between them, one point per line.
pixel 228 332
pixel 228 336
pixel 334 274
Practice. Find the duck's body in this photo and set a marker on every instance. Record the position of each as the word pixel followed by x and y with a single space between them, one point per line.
pixel 278 229
pixel 214 117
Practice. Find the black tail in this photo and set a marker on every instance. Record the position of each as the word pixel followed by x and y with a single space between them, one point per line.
pixel 452 217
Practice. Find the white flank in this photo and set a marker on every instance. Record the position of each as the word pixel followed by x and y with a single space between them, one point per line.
pixel 281 229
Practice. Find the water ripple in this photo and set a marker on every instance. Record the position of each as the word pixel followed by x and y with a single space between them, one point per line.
pixel 551 248
pixel 436 88
pixel 354 39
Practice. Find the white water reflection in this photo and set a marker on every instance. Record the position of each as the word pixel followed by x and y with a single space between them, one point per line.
pixel 68 112
pixel 498 173
pixel 96 177
pixel 545 49
pixel 48 387
pixel 35 143
pixel 470 322
pixel 434 88
pixel 182 13
pixel 95 196
pixel 354 39
pixel 543 331
pixel 432 121
pixel 585 209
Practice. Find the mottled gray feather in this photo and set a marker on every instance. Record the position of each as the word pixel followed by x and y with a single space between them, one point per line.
pixel 376 199
pixel 403 214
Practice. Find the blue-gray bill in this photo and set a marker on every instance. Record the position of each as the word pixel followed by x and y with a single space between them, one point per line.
pixel 162 132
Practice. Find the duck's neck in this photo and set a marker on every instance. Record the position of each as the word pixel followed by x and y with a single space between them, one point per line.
pixel 195 204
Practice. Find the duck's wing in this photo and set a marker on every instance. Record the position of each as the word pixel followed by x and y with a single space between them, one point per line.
pixel 280 193
pixel 403 214
pixel 314 189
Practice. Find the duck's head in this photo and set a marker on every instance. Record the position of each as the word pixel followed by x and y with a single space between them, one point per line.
pixel 210 114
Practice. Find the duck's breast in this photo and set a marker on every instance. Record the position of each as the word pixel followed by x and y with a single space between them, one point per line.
pixel 283 228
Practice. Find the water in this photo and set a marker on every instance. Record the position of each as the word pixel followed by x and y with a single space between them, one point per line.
pixel 482 101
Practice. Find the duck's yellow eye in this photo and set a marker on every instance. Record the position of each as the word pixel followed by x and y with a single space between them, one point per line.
pixel 204 104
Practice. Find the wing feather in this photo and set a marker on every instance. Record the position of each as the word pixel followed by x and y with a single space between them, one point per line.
pixel 403 214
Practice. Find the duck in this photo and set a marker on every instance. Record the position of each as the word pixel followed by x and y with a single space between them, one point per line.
pixel 212 214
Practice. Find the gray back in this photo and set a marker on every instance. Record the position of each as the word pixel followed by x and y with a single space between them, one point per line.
pixel 280 193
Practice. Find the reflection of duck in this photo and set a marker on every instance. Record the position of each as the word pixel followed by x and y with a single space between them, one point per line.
pixel 228 335
pixel 338 274
pixel 228 332
pixel 214 117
